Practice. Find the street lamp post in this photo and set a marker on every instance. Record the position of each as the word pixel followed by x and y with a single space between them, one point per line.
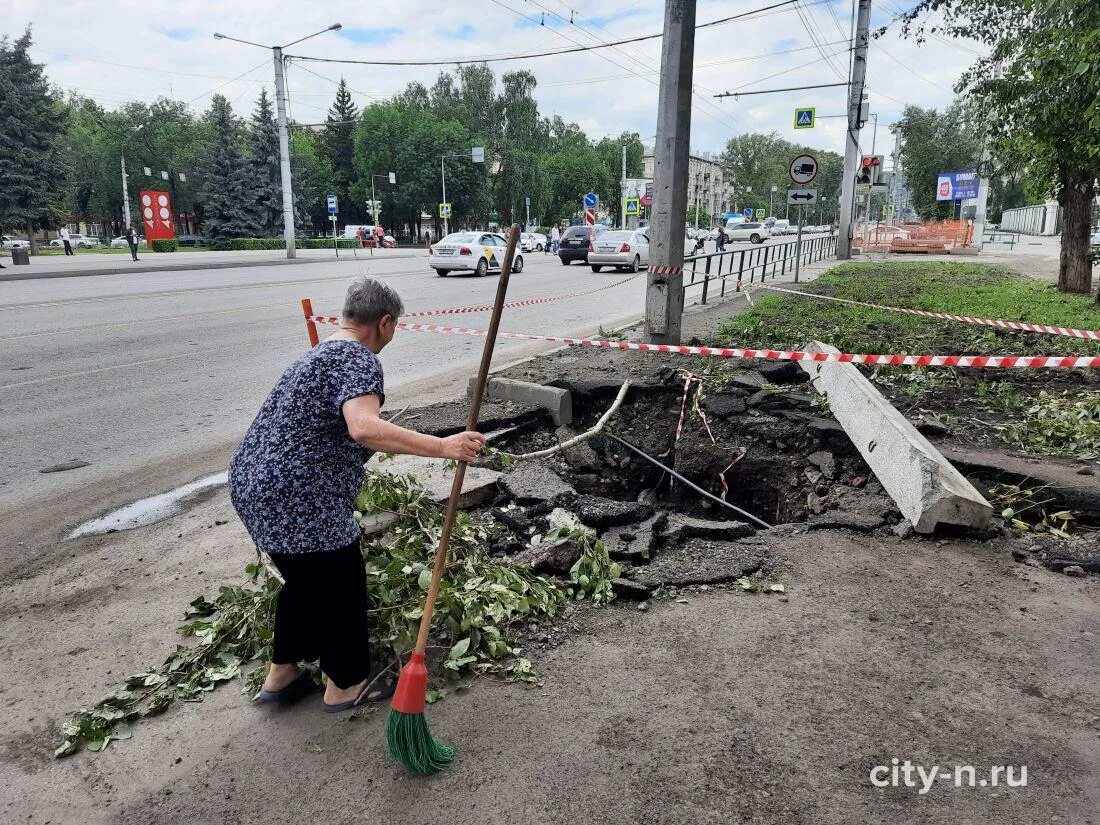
pixel 477 155
pixel 771 199
pixel 281 124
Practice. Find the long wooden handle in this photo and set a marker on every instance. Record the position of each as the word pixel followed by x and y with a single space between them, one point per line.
pixel 471 424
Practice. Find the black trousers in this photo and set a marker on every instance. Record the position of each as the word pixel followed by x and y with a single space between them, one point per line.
pixel 68 248
pixel 133 250
pixel 322 613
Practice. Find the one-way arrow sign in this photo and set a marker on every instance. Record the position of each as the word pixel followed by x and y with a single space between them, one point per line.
pixel 802 196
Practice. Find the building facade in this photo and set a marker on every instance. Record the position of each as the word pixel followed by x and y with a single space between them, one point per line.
pixel 707 185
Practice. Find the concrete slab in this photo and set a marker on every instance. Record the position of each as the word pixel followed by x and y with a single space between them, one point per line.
pixel 557 401
pixel 478 486
pixel 927 489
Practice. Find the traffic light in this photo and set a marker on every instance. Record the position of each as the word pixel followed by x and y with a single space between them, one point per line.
pixel 870 170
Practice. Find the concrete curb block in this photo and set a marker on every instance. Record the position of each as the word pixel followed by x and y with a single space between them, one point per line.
pixel 558 402
pixel 180 267
pixel 926 486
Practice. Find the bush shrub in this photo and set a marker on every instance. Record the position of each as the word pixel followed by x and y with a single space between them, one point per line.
pixel 165 244
pixel 245 244
pixel 326 243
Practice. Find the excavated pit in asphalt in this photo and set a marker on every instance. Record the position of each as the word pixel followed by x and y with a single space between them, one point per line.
pixel 793 466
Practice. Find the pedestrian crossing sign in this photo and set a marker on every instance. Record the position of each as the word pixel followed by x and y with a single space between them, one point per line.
pixel 761 214
pixel 804 117
pixel 444 210
pixel 632 206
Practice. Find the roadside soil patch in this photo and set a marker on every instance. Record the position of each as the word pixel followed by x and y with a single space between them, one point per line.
pixel 743 674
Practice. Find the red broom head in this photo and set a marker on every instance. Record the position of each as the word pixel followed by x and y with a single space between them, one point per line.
pixel 412 686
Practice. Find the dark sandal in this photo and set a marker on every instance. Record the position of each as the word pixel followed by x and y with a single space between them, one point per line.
pixel 378 689
pixel 299 688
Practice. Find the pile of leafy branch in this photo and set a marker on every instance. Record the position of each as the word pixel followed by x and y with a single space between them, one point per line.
pixel 478 601
pixel 1059 424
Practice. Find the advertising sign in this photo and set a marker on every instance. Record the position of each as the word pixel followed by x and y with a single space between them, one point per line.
pixel 956 186
pixel 156 215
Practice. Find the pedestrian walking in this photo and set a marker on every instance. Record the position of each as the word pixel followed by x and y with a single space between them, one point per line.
pixel 293 481
pixel 379 234
pixel 720 241
pixel 555 239
pixel 64 234
pixel 131 241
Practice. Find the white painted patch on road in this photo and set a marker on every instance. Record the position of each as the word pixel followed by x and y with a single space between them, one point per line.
pixel 149 510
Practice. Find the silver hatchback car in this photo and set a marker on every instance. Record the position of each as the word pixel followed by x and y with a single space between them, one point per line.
pixel 625 249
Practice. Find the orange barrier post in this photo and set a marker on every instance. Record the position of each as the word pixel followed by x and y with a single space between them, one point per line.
pixel 311 327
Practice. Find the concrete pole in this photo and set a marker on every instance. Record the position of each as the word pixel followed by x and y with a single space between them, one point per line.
pixel 443 178
pixel 284 153
pixel 983 185
pixel 664 304
pixel 125 196
pixel 622 189
pixel 851 144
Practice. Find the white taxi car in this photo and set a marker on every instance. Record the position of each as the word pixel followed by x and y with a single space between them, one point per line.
pixel 477 252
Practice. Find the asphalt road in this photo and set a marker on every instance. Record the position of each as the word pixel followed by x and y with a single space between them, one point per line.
pixel 152 378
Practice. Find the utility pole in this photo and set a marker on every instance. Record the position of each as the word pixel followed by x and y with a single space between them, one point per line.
pixel 851 144
pixel 664 289
pixel 284 153
pixel 125 195
pixel 280 123
pixel 443 178
pixel 622 189
pixel 983 183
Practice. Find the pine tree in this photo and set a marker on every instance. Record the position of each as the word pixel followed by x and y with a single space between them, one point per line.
pixel 32 125
pixel 264 173
pixel 338 143
pixel 228 204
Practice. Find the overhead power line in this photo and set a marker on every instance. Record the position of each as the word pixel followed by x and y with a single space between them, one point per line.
pixel 787 89
pixel 552 52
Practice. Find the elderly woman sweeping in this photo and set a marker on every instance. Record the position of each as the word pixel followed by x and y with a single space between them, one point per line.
pixel 294 480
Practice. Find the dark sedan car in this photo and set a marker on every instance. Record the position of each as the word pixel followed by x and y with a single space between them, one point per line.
pixel 193 240
pixel 577 241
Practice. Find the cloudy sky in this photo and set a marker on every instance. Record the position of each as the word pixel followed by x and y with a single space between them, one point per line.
pixel 126 50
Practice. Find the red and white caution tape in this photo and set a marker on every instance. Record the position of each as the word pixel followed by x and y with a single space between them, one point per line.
pixel 331 319
pixel 1018 326
pixel 665 270
pixel 895 360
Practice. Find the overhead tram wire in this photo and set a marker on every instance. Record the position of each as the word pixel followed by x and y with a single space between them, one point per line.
pixel 754 13
pixel 704 65
pixel 810 30
pixel 223 85
pixel 706 106
pixel 911 70
pixel 709 112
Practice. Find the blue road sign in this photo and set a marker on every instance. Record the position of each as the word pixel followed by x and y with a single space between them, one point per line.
pixel 526 200
pixel 747 213
pixel 332 204
pixel 590 200
pixel 804 117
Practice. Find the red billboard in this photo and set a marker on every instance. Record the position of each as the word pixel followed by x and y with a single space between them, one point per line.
pixel 156 215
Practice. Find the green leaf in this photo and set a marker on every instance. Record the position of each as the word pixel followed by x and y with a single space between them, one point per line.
pixel 459 649
pixel 424 580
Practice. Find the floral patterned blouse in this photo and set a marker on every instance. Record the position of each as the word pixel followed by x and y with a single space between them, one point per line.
pixel 294 478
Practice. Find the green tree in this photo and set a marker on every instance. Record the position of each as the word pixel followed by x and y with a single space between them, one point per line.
pixel 1040 85
pixel 226 193
pixel 312 176
pixel 265 177
pixel 338 140
pixel 32 126
pixel 932 142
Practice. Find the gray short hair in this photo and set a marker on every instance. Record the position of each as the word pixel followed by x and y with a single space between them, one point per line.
pixel 368 300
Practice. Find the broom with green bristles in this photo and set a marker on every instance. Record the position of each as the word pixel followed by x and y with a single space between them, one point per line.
pixel 410 741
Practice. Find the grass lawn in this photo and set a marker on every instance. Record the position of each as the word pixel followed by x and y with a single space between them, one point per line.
pixel 1038 411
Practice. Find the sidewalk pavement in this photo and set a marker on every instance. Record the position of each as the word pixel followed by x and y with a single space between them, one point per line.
pixel 98 263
